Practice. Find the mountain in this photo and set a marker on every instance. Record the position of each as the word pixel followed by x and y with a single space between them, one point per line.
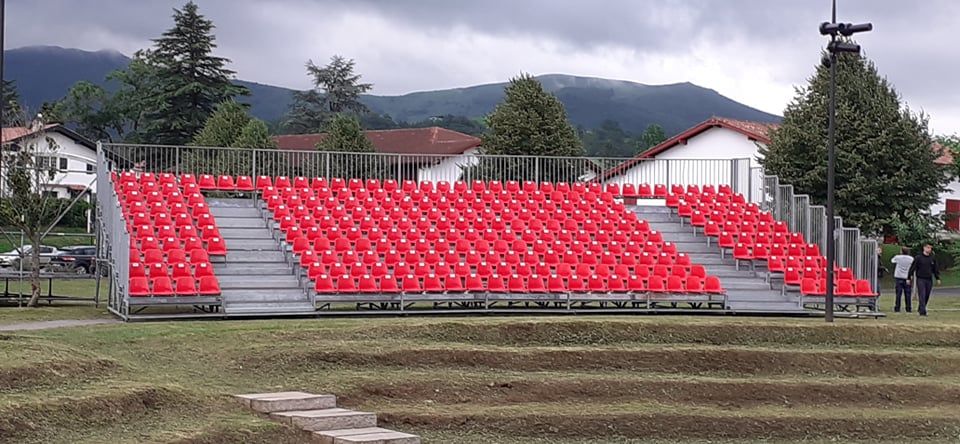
pixel 45 73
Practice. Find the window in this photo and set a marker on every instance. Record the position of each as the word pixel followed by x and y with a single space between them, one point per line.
pixel 63 163
pixel 90 168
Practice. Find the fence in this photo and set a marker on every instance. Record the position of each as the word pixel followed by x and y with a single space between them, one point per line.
pixel 114 248
pixel 424 167
pixel 853 250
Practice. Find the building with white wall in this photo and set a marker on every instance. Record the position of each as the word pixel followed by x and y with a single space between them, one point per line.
pixel 431 153
pixel 72 155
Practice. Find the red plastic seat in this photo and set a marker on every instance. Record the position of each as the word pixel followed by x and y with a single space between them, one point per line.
pixel 346 284
pixel 186 286
pixel 368 284
pixel 225 183
pixel 203 269
pixel 712 285
pixel 198 256
pixel 495 284
pixel 388 284
pixel 411 284
pixel 863 289
pixel 675 284
pixel 139 286
pixel 694 284
pixel 206 182
pixel 162 286
pixel 656 284
pixel 517 284
pixel 809 287
pixel 216 246
pixel 209 286
pixel 325 284
pixel 244 183
pixel 845 287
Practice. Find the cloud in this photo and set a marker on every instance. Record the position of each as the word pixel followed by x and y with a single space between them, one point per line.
pixel 754 51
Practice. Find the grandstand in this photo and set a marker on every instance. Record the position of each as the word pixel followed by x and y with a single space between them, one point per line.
pixel 207 232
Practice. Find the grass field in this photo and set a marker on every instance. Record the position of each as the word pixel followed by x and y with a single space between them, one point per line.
pixel 491 380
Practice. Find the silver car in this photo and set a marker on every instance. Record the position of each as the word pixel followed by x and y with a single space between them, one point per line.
pixel 12 258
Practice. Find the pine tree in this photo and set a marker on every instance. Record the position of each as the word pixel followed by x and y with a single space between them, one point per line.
pixel 345 135
pixel 190 80
pixel 885 163
pixel 530 122
pixel 337 89
pixel 12 112
pixel 652 136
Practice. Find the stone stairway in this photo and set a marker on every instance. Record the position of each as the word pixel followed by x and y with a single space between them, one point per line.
pixel 319 415
pixel 747 289
pixel 255 279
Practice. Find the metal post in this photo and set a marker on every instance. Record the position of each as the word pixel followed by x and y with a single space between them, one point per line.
pixel 831 159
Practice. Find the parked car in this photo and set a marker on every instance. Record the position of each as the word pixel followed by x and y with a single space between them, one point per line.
pixel 80 259
pixel 12 258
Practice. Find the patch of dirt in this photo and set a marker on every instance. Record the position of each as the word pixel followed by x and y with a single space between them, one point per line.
pixel 47 417
pixel 268 435
pixel 678 426
pixel 55 372
pixel 743 362
pixel 585 332
pixel 719 394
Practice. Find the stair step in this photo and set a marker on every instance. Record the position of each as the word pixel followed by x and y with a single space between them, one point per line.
pixel 327 419
pixel 281 281
pixel 385 437
pixel 252 245
pixel 225 212
pixel 287 401
pixel 221 202
pixel 297 297
pixel 248 269
pixel 269 308
pixel 245 233
pixel 240 222
pixel 254 256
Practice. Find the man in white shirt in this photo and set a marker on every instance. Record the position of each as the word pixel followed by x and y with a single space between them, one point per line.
pixel 901 275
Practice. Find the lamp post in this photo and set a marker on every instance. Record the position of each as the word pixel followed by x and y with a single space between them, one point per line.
pixel 832 28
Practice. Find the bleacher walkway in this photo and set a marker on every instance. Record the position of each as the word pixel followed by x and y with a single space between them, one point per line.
pixel 255 279
pixel 747 290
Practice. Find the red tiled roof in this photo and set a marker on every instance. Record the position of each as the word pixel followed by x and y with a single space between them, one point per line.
pixel 756 131
pixel 16 133
pixel 432 140
pixel 946 156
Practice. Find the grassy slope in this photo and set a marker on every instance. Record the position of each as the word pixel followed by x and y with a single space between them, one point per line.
pixel 464 380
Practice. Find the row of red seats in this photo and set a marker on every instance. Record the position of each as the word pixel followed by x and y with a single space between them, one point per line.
pixel 843 288
pixel 183 286
pixel 516 284
pixel 485 269
pixel 650 256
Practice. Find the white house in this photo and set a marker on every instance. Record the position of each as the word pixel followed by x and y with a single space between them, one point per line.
pixel 73 155
pixel 432 153
pixel 723 140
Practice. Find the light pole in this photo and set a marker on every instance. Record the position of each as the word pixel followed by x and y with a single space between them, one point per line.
pixel 832 28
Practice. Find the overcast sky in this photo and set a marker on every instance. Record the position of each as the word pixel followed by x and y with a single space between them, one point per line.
pixel 754 51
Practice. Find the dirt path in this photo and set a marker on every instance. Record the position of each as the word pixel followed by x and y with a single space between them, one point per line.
pixel 44 325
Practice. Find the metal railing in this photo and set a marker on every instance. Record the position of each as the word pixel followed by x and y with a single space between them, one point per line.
pixel 114 248
pixel 428 167
pixel 854 250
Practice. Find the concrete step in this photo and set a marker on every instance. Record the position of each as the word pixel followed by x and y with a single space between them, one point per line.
pixel 233 212
pixel 229 282
pixel 287 401
pixel 240 222
pixel 218 202
pixel 327 419
pixel 254 256
pixel 253 269
pixel 662 208
pixel 268 308
pixel 284 296
pixel 260 232
pixel 657 217
pixel 337 436
pixel 252 245
pixel 695 247
pixel 754 306
pixel 386 437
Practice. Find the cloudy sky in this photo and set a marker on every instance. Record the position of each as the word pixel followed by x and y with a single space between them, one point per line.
pixel 754 51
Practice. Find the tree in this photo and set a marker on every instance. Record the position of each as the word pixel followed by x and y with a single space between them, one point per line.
pixel 190 80
pixel 92 109
pixel 223 126
pixel 232 127
pixel 652 136
pixel 952 143
pixel 885 163
pixel 344 135
pixel 26 172
pixel 11 102
pixel 530 122
pixel 336 90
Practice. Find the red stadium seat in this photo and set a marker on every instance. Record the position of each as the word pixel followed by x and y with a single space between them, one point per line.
pixel 226 183
pixel 809 287
pixel 209 286
pixel 162 286
pixel 712 285
pixel 325 285
pixel 186 286
pixel 863 289
pixel 675 284
pixel 244 183
pixel 139 287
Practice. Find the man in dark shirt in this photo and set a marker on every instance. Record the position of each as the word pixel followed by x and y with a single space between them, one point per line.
pixel 925 268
